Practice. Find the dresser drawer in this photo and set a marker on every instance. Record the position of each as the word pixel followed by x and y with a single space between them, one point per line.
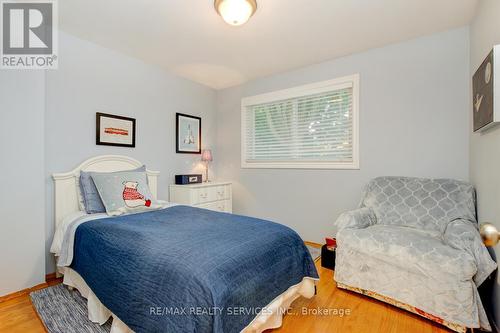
pixel 222 192
pixel 201 195
pixel 218 206
pixel 210 193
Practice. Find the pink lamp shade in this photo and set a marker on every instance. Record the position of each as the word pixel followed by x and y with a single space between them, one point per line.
pixel 206 155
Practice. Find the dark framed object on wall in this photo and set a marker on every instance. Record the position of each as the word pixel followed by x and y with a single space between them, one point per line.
pixel 112 130
pixel 485 85
pixel 187 134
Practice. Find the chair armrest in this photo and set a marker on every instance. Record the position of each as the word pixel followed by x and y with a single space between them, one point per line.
pixel 356 219
pixel 464 235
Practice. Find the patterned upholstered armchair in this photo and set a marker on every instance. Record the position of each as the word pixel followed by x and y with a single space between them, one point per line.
pixel 414 243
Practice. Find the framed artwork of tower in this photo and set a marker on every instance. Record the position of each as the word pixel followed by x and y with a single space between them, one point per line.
pixel 188 134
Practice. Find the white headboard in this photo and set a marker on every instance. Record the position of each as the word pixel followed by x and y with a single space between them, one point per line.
pixel 65 184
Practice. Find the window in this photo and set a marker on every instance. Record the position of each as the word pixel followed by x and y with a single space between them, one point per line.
pixel 312 127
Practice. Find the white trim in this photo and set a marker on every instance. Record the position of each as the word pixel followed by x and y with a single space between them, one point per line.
pixel 301 165
pixel 65 184
pixel 308 89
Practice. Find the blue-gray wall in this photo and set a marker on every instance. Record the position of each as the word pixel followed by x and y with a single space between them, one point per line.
pixel 22 224
pixel 94 79
pixel 413 122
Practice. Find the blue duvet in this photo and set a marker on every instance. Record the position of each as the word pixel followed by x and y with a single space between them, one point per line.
pixel 185 269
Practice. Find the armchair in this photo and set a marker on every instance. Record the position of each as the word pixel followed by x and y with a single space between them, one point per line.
pixel 414 243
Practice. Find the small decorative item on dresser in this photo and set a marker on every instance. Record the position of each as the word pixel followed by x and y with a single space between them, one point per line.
pixel 328 252
pixel 206 156
pixel 187 179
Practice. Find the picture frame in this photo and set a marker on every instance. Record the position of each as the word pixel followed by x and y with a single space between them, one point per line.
pixel 485 92
pixel 482 83
pixel 113 130
pixel 187 134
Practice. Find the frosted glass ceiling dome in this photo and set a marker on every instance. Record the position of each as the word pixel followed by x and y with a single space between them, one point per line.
pixel 236 12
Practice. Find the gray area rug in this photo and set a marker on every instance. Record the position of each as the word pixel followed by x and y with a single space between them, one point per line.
pixel 64 311
pixel 314 251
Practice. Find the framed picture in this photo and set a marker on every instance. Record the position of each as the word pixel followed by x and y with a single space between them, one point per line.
pixel 188 134
pixel 114 130
pixel 482 83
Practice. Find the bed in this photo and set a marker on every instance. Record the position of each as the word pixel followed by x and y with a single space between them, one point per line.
pixel 177 268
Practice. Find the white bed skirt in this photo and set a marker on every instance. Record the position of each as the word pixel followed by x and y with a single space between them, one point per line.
pixel 271 318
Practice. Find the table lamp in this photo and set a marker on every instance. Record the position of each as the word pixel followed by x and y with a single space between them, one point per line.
pixel 206 156
pixel 489 234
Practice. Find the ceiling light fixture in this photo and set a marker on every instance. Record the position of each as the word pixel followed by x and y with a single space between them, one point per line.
pixel 236 12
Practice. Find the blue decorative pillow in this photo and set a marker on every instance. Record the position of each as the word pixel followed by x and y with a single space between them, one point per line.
pixel 91 199
pixel 123 192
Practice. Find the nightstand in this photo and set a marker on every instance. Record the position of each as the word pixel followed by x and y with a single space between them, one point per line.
pixel 216 196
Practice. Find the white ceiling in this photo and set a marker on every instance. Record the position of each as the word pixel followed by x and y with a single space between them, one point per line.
pixel 187 37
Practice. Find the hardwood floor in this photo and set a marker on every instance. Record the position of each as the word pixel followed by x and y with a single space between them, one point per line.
pixel 366 315
pixel 17 314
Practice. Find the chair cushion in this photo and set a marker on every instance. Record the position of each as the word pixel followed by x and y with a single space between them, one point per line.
pixel 421 203
pixel 409 249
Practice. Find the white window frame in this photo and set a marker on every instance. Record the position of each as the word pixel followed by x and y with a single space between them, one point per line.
pixel 304 90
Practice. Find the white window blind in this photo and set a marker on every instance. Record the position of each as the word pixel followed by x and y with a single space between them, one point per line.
pixel 313 126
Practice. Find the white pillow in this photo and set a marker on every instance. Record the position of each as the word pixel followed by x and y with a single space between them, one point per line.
pixel 81 204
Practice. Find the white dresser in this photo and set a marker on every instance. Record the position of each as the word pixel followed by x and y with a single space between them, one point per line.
pixel 216 196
